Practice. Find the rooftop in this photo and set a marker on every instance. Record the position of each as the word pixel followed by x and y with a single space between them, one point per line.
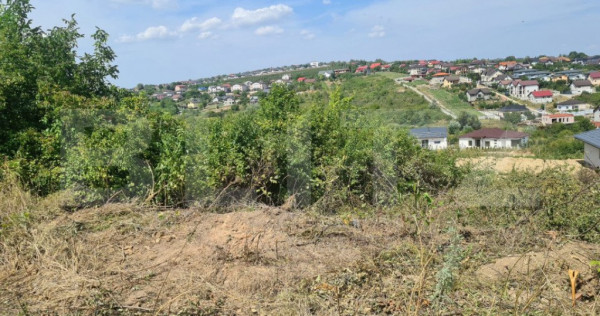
pixel 494 133
pixel 429 132
pixel 590 137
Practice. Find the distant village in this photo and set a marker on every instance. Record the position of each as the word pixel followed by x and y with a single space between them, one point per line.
pixel 537 91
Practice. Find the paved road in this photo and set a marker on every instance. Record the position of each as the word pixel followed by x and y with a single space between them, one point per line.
pixel 431 100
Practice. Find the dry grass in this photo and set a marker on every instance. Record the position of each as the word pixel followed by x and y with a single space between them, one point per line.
pixel 126 259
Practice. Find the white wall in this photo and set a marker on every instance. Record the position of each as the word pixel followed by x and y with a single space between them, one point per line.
pixel 592 155
pixel 443 143
pixel 493 143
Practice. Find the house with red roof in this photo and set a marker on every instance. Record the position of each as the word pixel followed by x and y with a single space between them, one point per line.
pixel 563 118
pixel 301 79
pixel 594 78
pixel 493 138
pixel 375 66
pixel 361 69
pixel 438 78
pixel 541 96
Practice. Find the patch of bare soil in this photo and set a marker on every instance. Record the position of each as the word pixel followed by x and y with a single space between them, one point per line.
pixel 145 261
pixel 508 164
pixel 127 260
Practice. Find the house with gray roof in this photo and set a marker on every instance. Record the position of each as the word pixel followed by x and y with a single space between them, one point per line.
pixel 591 147
pixel 431 137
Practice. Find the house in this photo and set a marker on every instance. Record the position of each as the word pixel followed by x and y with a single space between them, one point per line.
pixel 596 115
pixel 541 96
pixel 180 88
pixel 564 118
pixel 362 69
pixel 572 105
pixel 479 94
pixel 315 64
pixel 506 65
pixel 522 88
pixel 325 73
pixel 226 87
pixel 512 108
pixel 194 104
pixel 177 97
pixel 490 74
pixel 581 86
pixel 301 79
pixel 591 147
pixel 594 78
pixel 239 87
pixel 253 100
pixel 258 86
pixel 341 71
pixel 417 71
pixel 449 81
pixel 431 137
pixel 229 102
pixel 375 66
pixel 438 79
pixel 286 77
pixel 493 138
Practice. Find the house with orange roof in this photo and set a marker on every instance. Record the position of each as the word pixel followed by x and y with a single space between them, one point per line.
pixel 506 65
pixel 594 78
pixel 438 78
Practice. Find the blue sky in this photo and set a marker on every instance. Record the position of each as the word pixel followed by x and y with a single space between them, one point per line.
pixel 160 41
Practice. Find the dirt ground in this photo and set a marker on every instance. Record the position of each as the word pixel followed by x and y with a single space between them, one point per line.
pixel 507 164
pixel 267 261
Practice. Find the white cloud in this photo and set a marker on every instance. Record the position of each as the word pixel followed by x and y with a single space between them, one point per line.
pixel 326 2
pixel 242 16
pixel 307 35
pixel 268 30
pixel 195 24
pixel 207 35
pixel 377 31
pixel 153 32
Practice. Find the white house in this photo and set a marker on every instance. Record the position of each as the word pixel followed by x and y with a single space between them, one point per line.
pixel 591 147
pixel 286 77
pixel 431 137
pixel 239 87
pixel 564 118
pixel 581 86
pixel 315 64
pixel 493 138
pixel 490 74
pixel 572 105
pixel 229 102
pixel 541 96
pixel 522 88
pixel 258 86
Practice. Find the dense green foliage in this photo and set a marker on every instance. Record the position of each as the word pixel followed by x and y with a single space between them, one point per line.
pixel 379 95
pixel 556 141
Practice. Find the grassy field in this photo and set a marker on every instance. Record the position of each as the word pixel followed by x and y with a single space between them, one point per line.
pixel 450 100
pixel 391 75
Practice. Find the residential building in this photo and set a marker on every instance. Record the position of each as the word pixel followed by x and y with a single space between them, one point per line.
pixel 438 79
pixel 490 74
pixel 594 78
pixel 564 118
pixel 375 66
pixel 286 77
pixel 325 73
pixel 581 86
pixel 572 105
pixel 479 94
pixel 522 88
pixel 315 64
pixel 431 137
pixel 449 81
pixel 512 108
pixel 258 86
pixel 362 69
pixel 239 88
pixel 541 96
pixel 180 88
pixel 229 102
pixel 591 147
pixel 493 138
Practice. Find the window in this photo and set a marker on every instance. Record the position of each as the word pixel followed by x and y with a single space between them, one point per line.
pixel 437 142
pixel 470 143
